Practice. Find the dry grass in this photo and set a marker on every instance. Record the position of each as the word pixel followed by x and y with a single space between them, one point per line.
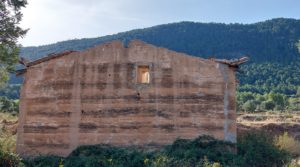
pixel 268 118
pixel 288 143
pixel 8 125
pixel 8 117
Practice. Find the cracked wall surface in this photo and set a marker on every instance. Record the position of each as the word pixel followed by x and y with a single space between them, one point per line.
pixel 93 97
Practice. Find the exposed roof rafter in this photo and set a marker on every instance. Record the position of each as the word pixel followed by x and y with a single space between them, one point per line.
pixel 232 62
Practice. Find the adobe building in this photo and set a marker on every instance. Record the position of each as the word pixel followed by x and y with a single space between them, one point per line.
pixel 140 95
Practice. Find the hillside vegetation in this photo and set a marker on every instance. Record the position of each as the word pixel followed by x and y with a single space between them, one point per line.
pixel 273 47
pixel 274 40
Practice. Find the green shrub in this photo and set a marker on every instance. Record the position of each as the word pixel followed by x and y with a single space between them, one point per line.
pixel 8 159
pixel 258 149
pixel 195 150
pixel 249 106
pixel 253 149
pixel 8 105
pixel 105 155
pixel 43 161
pixel 294 104
pixel 268 105
pixel 206 163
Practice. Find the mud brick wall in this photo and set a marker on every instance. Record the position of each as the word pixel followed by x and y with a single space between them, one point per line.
pixel 93 97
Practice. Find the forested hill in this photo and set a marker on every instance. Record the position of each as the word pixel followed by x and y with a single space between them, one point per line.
pixel 273 40
pixel 273 47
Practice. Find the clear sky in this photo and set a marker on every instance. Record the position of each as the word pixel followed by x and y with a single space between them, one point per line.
pixel 51 21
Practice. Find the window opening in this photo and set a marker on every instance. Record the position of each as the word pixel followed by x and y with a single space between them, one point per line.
pixel 143 74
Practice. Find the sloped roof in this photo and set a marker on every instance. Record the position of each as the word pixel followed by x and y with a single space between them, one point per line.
pixel 49 57
pixel 41 60
pixel 231 63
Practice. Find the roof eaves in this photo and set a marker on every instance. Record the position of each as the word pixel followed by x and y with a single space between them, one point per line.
pixel 49 57
pixel 232 62
pixel 21 72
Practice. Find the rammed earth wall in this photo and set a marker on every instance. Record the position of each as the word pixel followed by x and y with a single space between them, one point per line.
pixel 93 97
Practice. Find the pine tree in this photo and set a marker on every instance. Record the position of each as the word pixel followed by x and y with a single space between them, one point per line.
pixel 10 31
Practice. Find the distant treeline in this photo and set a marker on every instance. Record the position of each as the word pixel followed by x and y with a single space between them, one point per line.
pixel 270 77
pixel 269 86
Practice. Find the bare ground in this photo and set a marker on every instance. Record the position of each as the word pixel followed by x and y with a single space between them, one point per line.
pixel 272 123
